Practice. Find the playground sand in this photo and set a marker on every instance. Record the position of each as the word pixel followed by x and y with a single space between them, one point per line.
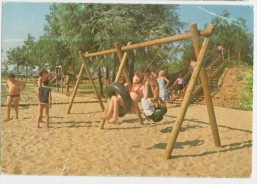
pixel 76 146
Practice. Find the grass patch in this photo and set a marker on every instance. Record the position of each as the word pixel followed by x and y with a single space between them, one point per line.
pixel 247 93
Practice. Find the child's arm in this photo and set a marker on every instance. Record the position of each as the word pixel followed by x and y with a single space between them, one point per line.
pixel 154 75
pixel 22 84
pixel 40 82
pixel 167 81
pixel 7 86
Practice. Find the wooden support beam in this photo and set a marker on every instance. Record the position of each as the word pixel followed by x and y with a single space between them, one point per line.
pixel 205 32
pixel 186 101
pixel 206 87
pixel 92 81
pixel 122 60
pixel 75 89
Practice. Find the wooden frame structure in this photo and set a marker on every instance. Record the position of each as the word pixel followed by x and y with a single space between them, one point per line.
pixel 199 71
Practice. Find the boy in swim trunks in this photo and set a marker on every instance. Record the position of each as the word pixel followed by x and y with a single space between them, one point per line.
pixel 45 101
pixel 14 87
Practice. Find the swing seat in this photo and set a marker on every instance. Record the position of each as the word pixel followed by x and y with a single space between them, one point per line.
pixel 116 88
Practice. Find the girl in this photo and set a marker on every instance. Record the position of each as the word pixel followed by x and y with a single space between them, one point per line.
pixel 136 93
pixel 162 86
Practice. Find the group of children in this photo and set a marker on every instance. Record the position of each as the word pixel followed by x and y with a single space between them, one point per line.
pixel 148 88
pixel 14 88
pixel 139 92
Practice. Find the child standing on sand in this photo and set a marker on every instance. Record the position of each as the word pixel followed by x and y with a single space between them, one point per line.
pixel 14 87
pixel 45 101
pixel 163 83
pixel 180 84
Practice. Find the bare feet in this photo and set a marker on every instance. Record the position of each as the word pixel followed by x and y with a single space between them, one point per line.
pixel 104 117
pixel 8 119
pixel 112 121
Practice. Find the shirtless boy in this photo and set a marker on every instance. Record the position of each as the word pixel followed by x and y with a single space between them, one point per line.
pixel 14 87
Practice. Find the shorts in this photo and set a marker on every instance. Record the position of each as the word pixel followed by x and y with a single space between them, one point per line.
pixel 180 86
pixel 14 96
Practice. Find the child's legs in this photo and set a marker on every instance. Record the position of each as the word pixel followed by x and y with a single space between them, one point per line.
pixel 16 101
pixel 111 106
pixel 40 112
pixel 9 101
pixel 116 103
pixel 47 110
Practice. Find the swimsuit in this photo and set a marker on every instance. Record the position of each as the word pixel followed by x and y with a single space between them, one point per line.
pixel 163 93
pixel 13 96
pixel 135 91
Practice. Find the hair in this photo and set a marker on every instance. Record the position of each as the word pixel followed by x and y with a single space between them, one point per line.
pixel 140 75
pixel 42 72
pixel 46 82
pixel 11 76
pixel 161 73
pixel 180 75
pixel 147 71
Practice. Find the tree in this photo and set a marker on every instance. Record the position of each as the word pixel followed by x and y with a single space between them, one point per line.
pixel 94 27
pixel 234 36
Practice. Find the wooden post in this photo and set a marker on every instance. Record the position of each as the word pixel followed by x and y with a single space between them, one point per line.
pixel 92 81
pixel 75 89
pixel 206 88
pixel 186 101
pixel 123 67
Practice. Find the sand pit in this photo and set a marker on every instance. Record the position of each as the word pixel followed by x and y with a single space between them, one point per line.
pixel 76 146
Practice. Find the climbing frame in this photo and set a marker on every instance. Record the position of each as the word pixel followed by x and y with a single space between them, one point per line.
pixel 199 71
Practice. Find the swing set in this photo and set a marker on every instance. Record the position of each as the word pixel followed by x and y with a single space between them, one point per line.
pixel 199 71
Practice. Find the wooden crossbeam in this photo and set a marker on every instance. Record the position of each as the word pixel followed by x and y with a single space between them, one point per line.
pixel 205 32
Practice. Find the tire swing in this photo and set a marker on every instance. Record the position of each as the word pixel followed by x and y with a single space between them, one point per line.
pixel 158 114
pixel 116 88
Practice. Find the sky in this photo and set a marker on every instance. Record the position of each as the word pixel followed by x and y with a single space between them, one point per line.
pixel 21 18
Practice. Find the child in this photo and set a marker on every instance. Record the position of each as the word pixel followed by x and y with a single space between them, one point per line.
pixel 191 66
pixel 45 101
pixel 163 93
pixel 67 83
pixel 150 78
pixel 172 95
pixel 136 93
pixel 149 111
pixel 43 75
pixel 180 83
pixel 14 87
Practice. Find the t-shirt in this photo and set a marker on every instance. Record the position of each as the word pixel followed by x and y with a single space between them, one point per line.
pixel 180 81
pixel 146 104
pixel 44 94
pixel 219 48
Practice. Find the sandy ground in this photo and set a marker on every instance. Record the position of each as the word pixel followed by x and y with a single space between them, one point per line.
pixel 76 146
